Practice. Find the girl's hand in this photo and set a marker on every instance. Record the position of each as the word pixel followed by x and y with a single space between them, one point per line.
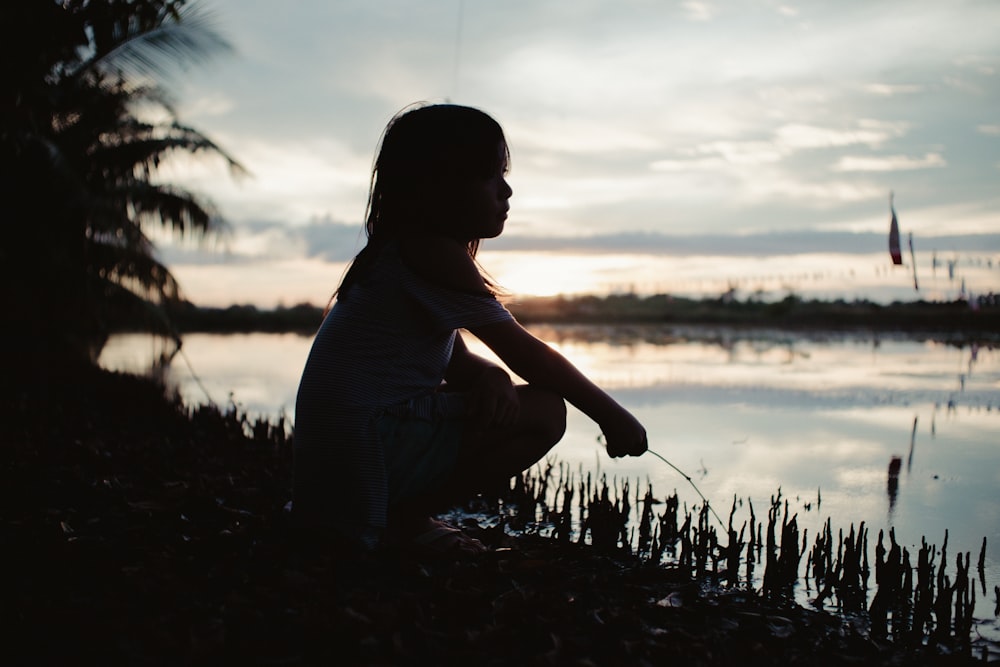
pixel 493 402
pixel 624 436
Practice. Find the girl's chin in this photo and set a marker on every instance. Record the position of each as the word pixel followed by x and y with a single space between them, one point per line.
pixel 484 232
pixel 495 233
pixel 488 233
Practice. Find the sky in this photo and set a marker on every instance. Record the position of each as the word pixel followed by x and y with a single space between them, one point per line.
pixel 652 142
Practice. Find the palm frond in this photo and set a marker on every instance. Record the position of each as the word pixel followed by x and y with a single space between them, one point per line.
pixel 177 209
pixel 203 143
pixel 112 222
pixel 137 272
pixel 122 213
pixel 159 49
pixel 82 153
pixel 144 146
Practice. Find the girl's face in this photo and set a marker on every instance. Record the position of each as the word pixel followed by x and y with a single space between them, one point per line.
pixel 483 205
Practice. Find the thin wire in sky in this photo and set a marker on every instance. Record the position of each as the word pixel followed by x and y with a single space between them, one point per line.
pixel 458 48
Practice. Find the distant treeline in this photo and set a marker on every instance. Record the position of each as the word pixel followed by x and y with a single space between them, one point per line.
pixel 981 319
pixel 791 312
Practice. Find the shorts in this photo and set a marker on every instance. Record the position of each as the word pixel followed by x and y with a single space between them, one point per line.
pixel 421 440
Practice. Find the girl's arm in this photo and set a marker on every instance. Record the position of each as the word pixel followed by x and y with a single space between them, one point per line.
pixel 447 262
pixel 541 365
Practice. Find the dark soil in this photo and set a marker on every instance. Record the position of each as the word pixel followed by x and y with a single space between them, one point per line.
pixel 136 531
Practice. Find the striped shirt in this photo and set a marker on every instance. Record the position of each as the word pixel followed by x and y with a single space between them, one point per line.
pixel 386 342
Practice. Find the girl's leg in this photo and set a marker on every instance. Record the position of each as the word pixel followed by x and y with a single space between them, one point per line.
pixel 492 456
pixel 488 458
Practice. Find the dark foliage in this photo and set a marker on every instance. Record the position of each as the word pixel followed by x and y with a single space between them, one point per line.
pixel 84 127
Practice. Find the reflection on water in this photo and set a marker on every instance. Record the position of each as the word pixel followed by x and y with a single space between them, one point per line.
pixel 893 431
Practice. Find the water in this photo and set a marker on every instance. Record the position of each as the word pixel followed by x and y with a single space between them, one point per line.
pixel 817 417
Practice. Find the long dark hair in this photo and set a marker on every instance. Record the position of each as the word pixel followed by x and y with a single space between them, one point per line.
pixel 426 155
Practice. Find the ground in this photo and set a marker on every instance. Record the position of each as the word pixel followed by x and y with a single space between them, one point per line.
pixel 139 531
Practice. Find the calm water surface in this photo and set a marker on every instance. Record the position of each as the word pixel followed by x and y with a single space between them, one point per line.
pixel 818 418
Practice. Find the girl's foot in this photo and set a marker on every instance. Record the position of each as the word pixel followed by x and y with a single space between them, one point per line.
pixel 436 538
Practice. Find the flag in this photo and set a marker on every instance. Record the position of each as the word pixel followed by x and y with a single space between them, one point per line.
pixel 894 249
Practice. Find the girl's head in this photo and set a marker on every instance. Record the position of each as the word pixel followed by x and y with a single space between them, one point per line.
pixel 439 172
pixel 431 167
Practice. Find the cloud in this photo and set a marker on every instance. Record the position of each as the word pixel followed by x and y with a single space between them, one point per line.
pixel 789 165
pixel 825 194
pixel 889 162
pixel 268 240
pixel 581 135
pixel 335 242
pixel 892 90
pixel 709 116
pixel 715 154
pixel 212 104
pixel 983 65
pixel 288 181
pixel 786 140
pixel 698 11
pixel 332 241
pixel 868 132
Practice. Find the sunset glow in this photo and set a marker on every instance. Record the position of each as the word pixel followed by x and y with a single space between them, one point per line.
pixel 288 280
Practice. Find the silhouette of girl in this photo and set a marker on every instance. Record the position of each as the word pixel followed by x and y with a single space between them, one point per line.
pixel 395 418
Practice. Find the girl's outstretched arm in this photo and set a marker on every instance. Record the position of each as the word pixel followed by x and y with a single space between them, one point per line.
pixel 541 365
pixel 447 262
